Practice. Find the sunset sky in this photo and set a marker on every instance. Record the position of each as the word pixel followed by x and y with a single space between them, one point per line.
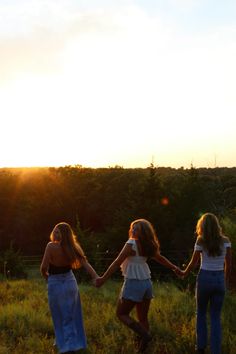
pixel 105 83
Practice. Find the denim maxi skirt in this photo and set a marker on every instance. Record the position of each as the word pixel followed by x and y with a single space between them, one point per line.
pixel 65 307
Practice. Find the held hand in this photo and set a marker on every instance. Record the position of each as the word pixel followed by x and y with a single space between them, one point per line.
pixel 179 272
pixel 99 282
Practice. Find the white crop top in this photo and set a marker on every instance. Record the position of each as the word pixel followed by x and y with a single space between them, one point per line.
pixel 135 267
pixel 210 262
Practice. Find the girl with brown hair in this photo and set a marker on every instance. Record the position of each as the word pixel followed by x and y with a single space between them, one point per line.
pixel 137 290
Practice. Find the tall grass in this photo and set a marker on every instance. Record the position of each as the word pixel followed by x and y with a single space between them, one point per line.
pixel 26 326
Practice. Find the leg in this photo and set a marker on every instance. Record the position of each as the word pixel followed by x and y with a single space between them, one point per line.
pixel 124 307
pixel 202 298
pixel 54 294
pixel 201 323
pixel 132 289
pixel 142 309
pixel 216 304
pixel 64 302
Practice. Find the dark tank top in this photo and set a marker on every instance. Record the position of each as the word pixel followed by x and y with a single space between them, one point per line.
pixel 58 270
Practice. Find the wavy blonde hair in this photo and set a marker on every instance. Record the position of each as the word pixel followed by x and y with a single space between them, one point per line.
pixel 210 234
pixel 146 235
pixel 71 247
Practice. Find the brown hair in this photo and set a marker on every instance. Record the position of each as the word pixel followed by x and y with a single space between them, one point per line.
pixel 146 235
pixel 210 234
pixel 69 244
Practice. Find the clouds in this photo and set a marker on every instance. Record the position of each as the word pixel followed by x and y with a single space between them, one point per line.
pixel 21 18
pixel 33 34
pixel 135 82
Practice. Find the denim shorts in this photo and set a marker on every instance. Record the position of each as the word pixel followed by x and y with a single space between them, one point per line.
pixel 136 290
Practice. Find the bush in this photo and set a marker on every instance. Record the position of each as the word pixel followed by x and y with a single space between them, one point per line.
pixel 12 265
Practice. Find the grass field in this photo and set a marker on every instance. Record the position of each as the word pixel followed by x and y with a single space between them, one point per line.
pixel 26 326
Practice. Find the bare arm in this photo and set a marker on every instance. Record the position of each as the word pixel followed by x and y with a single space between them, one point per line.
pixel 45 262
pixel 165 262
pixel 124 253
pixel 228 263
pixel 89 269
pixel 192 264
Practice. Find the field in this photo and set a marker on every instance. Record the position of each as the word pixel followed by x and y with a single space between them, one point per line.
pixel 26 327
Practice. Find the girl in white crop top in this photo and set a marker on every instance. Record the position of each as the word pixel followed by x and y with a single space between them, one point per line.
pixel 135 266
pixel 213 250
pixel 137 287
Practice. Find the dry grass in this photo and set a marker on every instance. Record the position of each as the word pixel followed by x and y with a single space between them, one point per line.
pixel 26 327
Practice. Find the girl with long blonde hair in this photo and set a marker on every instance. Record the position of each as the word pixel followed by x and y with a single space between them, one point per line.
pixel 62 254
pixel 213 250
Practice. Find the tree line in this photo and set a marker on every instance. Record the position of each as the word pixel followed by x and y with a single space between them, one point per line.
pixel 100 204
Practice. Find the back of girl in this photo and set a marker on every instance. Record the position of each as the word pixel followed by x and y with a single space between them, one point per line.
pixel 62 255
pixel 213 250
pixel 143 232
pixel 210 235
pixel 137 290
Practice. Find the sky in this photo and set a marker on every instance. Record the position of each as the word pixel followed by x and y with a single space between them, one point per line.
pixel 122 82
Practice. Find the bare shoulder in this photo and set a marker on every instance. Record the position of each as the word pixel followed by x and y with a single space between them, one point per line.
pixel 128 249
pixel 199 241
pixel 128 246
pixel 51 246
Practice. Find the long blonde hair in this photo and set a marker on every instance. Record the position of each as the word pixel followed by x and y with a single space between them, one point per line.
pixel 145 233
pixel 210 234
pixel 72 249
